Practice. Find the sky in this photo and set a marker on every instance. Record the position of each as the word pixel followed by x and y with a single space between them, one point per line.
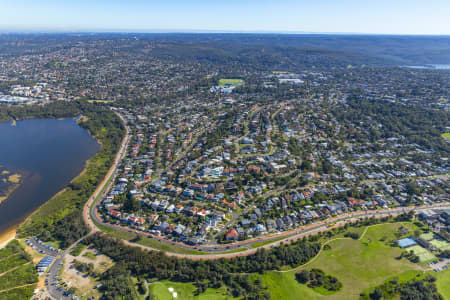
pixel 310 16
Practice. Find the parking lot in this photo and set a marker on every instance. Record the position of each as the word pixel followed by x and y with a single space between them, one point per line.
pixel 41 247
pixel 440 265
pixel 54 284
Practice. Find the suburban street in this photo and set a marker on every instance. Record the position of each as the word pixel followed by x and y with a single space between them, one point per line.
pixel 91 217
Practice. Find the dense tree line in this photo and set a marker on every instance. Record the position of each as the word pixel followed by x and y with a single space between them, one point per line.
pixel 416 289
pixel 69 229
pixel 58 109
pixel 416 124
pixel 204 273
pixel 353 235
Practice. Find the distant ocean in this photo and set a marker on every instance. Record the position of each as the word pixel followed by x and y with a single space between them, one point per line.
pixel 431 66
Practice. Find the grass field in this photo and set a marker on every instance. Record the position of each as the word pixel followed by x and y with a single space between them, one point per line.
pixel 256 245
pixel 90 255
pixel 427 236
pixel 446 135
pixel 78 249
pixel 98 101
pixel 230 81
pixel 423 254
pixel 443 283
pixel 358 264
pixel 441 244
pixel 285 286
pixel 185 291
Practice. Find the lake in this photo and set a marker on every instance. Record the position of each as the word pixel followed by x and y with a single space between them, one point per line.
pixel 48 153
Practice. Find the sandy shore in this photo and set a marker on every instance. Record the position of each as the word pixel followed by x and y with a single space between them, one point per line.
pixel 8 236
pixel 17 180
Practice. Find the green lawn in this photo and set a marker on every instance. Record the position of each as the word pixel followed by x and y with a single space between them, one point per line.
pixel 358 264
pixel 440 244
pixel 423 254
pixel 78 249
pixel 427 236
pixel 185 291
pixel 443 283
pixel 260 244
pixel 446 135
pixel 230 81
pixel 285 286
pixel 98 101
pixel 90 255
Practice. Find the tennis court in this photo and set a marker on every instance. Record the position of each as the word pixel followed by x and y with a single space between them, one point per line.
pixel 440 244
pixel 427 236
pixel 422 253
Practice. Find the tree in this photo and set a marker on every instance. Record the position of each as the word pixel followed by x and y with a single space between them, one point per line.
pixel 302 276
pixel 445 254
pixel 130 204
pixel 376 294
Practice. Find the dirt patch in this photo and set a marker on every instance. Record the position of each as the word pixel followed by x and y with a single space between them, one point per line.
pixel 101 262
pixel 84 285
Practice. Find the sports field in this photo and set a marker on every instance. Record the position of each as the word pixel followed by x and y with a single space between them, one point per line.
pixel 230 81
pixel 446 135
pixel 164 290
pixel 98 101
pixel 443 283
pixel 427 236
pixel 423 254
pixel 358 264
pixel 440 244
pixel 436 241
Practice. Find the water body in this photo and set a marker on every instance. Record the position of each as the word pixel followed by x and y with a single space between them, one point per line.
pixel 48 153
pixel 432 66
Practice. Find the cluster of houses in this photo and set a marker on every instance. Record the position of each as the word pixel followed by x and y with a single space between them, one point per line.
pixel 437 219
pixel 181 167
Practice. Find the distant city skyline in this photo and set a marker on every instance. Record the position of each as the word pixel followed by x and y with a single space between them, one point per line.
pixel 283 16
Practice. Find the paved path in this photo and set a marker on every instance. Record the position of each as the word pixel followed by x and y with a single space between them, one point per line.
pixel 326 243
pixel 112 171
pixel 52 284
pixel 286 236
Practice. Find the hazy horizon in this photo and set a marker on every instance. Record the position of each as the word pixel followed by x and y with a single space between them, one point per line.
pixel 414 17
